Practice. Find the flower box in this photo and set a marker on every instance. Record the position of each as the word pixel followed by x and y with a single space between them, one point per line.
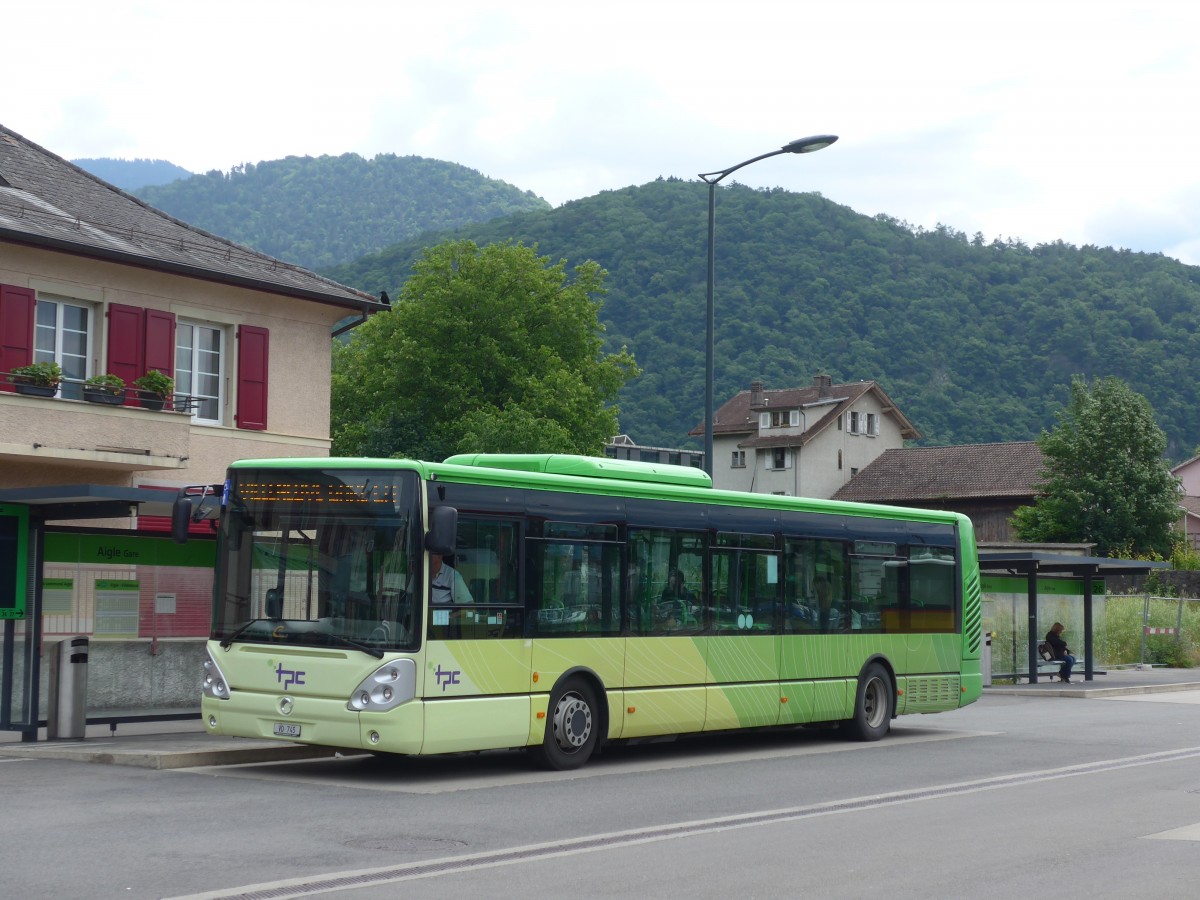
pixel 102 395
pixel 35 390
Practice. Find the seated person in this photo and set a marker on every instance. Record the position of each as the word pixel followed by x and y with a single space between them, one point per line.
pixel 446 584
pixel 1060 650
pixel 676 602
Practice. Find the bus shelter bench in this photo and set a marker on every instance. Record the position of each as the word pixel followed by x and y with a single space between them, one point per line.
pixel 1046 659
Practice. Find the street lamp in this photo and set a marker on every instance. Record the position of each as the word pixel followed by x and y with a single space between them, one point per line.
pixel 802 145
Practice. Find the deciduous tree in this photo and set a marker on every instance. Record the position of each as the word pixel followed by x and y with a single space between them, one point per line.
pixel 493 349
pixel 1106 480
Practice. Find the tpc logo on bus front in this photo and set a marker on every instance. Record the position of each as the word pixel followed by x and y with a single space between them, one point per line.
pixel 288 677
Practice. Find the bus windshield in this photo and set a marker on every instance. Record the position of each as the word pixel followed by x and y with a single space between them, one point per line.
pixel 320 557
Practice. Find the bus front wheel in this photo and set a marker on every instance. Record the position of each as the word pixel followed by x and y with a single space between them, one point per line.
pixel 571 727
pixel 872 706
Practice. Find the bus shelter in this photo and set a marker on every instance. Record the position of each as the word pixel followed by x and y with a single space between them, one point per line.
pixel 1035 563
pixel 24 514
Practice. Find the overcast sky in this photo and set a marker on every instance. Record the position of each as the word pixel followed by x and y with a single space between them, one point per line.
pixel 1047 120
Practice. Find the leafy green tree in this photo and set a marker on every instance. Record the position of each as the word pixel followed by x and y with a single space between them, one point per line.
pixel 491 349
pixel 1106 480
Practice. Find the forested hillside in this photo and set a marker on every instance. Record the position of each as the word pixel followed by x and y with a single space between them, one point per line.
pixel 131 174
pixel 321 211
pixel 975 341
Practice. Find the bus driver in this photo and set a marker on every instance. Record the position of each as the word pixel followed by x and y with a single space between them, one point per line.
pixel 446 583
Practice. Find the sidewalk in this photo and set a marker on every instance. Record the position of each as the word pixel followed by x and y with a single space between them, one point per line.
pixel 1113 682
pixel 158 745
pixel 176 745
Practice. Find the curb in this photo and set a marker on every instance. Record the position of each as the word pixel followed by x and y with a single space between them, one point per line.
pixel 1089 693
pixel 164 756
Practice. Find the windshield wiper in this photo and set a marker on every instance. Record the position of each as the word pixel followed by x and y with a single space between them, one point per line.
pixel 347 642
pixel 233 637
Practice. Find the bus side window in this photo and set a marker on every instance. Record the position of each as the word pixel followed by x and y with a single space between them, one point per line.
pixel 814 586
pixel 666 583
pixel 746 583
pixel 933 579
pixel 486 558
pixel 576 587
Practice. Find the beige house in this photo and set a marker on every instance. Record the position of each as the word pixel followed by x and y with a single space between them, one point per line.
pixel 1188 473
pixel 803 442
pixel 98 283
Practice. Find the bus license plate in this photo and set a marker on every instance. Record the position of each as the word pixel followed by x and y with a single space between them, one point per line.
pixel 286 729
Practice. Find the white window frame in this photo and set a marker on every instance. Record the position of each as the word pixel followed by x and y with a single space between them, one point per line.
pixel 738 459
pixel 69 390
pixel 222 364
pixel 872 425
pixel 853 422
pixel 787 459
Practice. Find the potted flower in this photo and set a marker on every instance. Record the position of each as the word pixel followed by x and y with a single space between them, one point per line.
pixel 38 379
pixel 153 389
pixel 104 389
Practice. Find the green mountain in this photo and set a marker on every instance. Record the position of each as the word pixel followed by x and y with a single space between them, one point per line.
pixel 975 341
pixel 318 212
pixel 131 174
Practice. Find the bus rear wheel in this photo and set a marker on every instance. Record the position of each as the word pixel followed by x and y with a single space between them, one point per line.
pixel 872 706
pixel 571 729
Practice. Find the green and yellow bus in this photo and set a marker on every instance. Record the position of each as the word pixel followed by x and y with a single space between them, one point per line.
pixel 558 603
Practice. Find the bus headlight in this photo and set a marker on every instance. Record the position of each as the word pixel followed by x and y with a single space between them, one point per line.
pixel 386 688
pixel 214 685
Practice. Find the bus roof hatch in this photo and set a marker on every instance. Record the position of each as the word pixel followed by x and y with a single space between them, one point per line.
pixel 587 467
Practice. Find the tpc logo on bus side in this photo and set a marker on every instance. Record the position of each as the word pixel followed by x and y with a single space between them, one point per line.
pixel 446 677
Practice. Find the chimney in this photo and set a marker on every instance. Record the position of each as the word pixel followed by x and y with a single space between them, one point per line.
pixel 756 393
pixel 824 385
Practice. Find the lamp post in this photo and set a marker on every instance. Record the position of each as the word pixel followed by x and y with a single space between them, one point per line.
pixel 803 145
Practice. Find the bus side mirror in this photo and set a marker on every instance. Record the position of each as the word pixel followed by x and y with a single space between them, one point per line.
pixel 443 531
pixel 181 518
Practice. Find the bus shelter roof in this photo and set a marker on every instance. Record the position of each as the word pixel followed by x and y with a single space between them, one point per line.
pixel 90 501
pixel 1023 562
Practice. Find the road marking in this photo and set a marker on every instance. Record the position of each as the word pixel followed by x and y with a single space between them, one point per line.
pixel 428 777
pixel 349 880
pixel 1191 696
pixel 1186 833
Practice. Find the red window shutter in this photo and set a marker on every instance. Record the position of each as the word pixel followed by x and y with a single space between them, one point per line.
pixel 126 345
pixel 252 378
pixel 160 341
pixel 18 311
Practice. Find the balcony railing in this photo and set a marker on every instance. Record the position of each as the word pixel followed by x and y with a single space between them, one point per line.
pixel 78 389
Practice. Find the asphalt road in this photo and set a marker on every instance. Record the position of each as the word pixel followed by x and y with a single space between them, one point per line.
pixel 1015 796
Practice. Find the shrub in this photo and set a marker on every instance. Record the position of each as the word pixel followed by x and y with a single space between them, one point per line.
pixel 46 374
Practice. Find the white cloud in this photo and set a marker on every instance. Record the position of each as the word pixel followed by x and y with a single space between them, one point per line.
pixel 1035 120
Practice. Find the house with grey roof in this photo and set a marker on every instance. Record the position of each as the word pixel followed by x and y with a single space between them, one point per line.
pixel 98 283
pixel 804 441
pixel 986 482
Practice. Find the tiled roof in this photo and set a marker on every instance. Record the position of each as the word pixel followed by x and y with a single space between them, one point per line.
pixel 49 202
pixel 939 473
pixel 821 406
